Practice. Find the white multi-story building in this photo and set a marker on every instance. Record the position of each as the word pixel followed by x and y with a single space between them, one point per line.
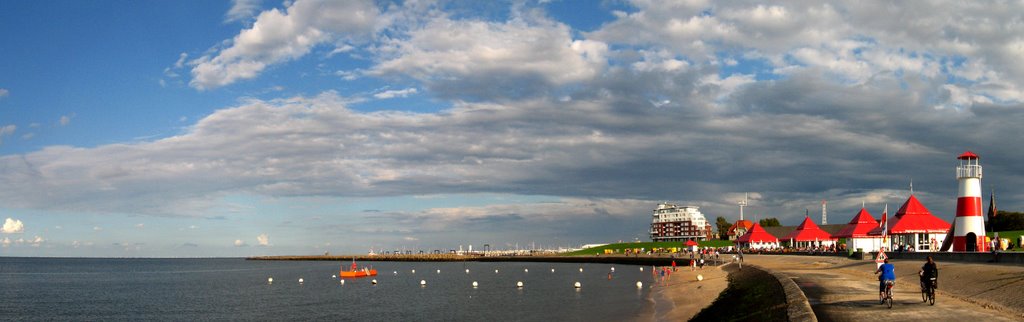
pixel 677 223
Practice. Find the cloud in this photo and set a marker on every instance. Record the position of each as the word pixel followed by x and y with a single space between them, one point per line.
pixel 262 240
pixel 36 241
pixel 240 243
pixel 66 119
pixel 7 130
pixel 140 226
pixel 278 36
pixel 13 226
pixel 410 238
pixel 190 245
pixel 97 228
pixel 4 92
pixel 395 93
pixel 6 242
pixel 242 10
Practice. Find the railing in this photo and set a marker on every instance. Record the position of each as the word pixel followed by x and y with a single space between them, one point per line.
pixel 968 171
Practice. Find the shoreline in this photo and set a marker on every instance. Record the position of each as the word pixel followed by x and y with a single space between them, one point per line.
pixel 681 296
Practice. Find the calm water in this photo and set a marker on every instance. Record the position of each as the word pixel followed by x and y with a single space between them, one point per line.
pixel 235 289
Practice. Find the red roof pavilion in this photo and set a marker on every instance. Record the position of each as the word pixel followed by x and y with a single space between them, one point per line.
pixel 757 234
pixel 859 226
pixel 808 231
pixel 914 218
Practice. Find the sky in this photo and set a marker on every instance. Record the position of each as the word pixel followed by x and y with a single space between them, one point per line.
pixel 258 127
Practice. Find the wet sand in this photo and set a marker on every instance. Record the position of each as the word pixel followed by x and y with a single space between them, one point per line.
pixel 681 296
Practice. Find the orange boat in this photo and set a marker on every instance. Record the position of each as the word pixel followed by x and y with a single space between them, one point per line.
pixel 356 272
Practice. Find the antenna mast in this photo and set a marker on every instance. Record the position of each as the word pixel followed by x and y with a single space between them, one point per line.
pixel 743 204
pixel 824 212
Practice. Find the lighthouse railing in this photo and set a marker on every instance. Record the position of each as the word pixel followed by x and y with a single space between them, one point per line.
pixel 968 171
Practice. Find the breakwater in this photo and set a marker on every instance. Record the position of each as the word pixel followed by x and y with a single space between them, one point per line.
pixel 625 260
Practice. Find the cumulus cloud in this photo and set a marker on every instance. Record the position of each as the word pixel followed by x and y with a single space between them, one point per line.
pixel 7 130
pixel 13 226
pixel 278 36
pixel 262 240
pixel 395 93
pixel 242 10
pixel 240 243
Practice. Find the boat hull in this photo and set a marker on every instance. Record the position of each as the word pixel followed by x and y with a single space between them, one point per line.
pixel 354 274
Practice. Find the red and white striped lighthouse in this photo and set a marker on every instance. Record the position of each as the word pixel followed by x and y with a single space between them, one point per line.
pixel 969 234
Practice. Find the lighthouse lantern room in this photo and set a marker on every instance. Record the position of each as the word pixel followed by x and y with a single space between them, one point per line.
pixel 969 231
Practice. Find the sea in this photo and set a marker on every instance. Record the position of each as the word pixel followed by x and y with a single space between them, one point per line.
pixel 104 289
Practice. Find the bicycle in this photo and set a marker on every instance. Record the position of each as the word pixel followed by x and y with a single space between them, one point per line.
pixel 888 293
pixel 928 291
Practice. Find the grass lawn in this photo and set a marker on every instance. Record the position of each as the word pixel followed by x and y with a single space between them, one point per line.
pixel 621 247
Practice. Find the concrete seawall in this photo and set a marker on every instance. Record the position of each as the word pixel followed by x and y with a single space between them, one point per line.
pixel 798 307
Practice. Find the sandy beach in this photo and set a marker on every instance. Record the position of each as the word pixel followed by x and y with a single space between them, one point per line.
pixel 681 296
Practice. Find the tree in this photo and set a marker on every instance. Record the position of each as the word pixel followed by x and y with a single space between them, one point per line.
pixel 723 227
pixel 1007 220
pixel 770 222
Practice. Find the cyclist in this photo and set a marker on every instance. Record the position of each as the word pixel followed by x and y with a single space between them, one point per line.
pixel 888 274
pixel 929 271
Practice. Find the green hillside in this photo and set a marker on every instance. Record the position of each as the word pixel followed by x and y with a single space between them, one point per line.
pixel 621 247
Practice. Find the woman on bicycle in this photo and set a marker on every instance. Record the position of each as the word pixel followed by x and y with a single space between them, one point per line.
pixel 888 274
pixel 929 271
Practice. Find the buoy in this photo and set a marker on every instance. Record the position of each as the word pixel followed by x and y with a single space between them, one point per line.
pixel 613 269
pixel 519 284
pixel 700 277
pixel 639 284
pixel 334 276
pixel 439 271
pixel 396 272
pixel 467 271
pixel 552 270
pixel 414 271
pixel 300 280
pixel 270 280
pixel 641 268
pixel 495 271
pixel 581 269
pixel 374 282
pixel 526 270
pixel 343 282
pixel 475 284
pixel 577 285
pixel 423 282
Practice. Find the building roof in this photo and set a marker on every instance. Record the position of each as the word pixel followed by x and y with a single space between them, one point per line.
pixel 967 155
pixel 807 231
pixel 859 226
pixel 913 218
pixel 743 223
pixel 757 234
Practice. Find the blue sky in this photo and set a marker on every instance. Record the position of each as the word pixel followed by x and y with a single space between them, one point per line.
pixel 210 128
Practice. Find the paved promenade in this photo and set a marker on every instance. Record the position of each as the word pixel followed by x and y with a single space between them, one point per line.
pixel 841 289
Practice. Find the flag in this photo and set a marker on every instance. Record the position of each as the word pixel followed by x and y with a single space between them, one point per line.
pixel 884 223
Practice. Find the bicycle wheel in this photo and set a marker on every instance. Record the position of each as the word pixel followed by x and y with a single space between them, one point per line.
pixel 924 293
pixel 888 301
pixel 931 296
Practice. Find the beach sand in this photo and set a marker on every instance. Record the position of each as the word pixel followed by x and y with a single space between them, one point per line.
pixel 681 296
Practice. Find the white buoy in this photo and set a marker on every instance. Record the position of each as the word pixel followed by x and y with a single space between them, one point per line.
pixel 343 281
pixel 526 270
pixel 519 284
pixel 577 285
pixel 475 284
pixel 552 270
pixel 439 271
pixel 270 280
pixel 334 276
pixel 396 272
pixel 300 280
pixel 613 269
pixel 639 284
pixel 641 268
pixel 581 269
pixel 414 271
pixel 423 282
pixel 700 277
pixel 374 282
pixel 495 271
pixel 467 271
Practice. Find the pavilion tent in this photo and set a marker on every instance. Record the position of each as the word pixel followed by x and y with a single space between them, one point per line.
pixel 856 232
pixel 757 238
pixel 808 234
pixel 914 227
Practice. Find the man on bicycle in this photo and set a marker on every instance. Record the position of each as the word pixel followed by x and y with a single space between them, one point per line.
pixel 888 275
pixel 929 271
